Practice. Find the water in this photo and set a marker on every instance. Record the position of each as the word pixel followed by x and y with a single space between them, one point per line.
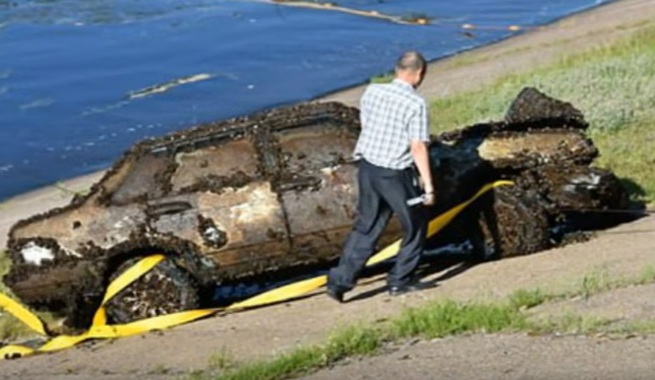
pixel 76 75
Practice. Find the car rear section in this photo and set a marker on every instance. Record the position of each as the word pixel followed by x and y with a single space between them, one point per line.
pixel 228 200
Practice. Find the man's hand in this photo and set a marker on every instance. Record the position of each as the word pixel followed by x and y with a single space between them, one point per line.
pixel 429 199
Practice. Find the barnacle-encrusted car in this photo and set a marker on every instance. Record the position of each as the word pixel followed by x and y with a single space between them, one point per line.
pixel 273 194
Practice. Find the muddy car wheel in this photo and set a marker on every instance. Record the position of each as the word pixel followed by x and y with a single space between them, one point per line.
pixel 514 224
pixel 165 289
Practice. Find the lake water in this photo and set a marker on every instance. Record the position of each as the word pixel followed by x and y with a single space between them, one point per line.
pixel 77 76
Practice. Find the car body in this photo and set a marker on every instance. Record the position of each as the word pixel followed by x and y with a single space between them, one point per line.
pixel 275 193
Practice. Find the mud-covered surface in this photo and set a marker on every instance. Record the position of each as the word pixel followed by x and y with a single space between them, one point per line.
pixel 273 194
pixel 164 289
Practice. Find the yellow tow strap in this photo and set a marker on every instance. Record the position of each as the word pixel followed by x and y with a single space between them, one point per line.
pixel 100 330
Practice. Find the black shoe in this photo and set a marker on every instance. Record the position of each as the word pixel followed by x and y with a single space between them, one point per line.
pixel 335 295
pixel 408 288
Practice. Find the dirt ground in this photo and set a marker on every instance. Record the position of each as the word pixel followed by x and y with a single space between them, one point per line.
pixel 263 333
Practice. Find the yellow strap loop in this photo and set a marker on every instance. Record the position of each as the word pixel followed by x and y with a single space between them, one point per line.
pixel 13 351
pixel 22 314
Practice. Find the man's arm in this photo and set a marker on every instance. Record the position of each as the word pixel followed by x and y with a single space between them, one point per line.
pixel 419 138
pixel 421 157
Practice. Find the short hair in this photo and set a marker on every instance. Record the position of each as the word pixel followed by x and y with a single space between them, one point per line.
pixel 410 61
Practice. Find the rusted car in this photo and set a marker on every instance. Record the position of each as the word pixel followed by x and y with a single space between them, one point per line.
pixel 272 195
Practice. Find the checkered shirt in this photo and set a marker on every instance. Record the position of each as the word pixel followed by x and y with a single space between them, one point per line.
pixel 392 115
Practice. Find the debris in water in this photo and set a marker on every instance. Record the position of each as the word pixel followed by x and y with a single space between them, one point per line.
pixel 167 86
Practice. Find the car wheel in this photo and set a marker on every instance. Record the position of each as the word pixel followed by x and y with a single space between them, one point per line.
pixel 513 223
pixel 165 289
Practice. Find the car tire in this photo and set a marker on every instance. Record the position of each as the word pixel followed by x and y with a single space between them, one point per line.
pixel 513 223
pixel 165 289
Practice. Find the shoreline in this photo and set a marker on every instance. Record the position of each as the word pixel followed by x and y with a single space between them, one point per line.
pixel 457 73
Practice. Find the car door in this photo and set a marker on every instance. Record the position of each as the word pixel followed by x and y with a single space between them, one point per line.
pixel 318 188
pixel 234 214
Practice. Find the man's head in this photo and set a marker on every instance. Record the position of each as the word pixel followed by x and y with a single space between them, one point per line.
pixel 411 68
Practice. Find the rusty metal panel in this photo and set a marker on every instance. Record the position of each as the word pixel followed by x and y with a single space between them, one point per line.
pixel 104 226
pixel 318 188
pixel 142 181
pixel 251 218
pixel 221 161
pixel 178 216
pixel 320 217
pixel 314 148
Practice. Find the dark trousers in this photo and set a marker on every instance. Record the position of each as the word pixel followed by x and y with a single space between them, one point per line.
pixel 381 192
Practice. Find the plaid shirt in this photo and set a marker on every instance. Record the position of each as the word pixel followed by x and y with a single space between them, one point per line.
pixel 392 115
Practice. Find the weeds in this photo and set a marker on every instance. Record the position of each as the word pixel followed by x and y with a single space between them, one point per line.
pixel 596 282
pixel 11 328
pixel 612 85
pixel 450 318
pixel 221 361
pixel 525 299
pixel 569 324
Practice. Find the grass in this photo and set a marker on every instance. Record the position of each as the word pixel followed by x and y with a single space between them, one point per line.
pixel 595 282
pixel 524 299
pixel 222 360
pixel 59 185
pixel 10 327
pixel 382 78
pixel 452 318
pixel 600 280
pixel 354 340
pixel 570 324
pixel 435 320
pixel 612 85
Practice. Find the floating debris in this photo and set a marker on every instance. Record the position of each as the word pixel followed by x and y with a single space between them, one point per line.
pixel 163 87
pixel 39 103
pixel 512 28
pixel 410 20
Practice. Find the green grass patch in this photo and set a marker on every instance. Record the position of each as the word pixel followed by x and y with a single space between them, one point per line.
pixel 382 78
pixel 569 324
pixel 5 263
pixel 596 282
pixel 524 299
pixel 636 328
pixel 451 318
pixel 572 324
pixel 350 341
pixel 600 280
pixel 221 361
pixel 10 327
pixel 612 85
pixel 59 185
pixel 647 275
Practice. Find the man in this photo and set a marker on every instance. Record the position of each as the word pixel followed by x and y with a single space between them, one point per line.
pixel 392 141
